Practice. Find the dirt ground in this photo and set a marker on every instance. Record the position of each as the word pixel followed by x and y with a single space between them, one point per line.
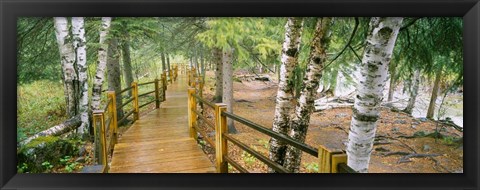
pixel 400 138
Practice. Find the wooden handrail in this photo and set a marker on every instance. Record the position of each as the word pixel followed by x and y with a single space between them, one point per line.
pixel 330 161
pixel 105 121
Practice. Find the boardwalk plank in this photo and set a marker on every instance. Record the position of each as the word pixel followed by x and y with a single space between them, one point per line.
pixel 159 142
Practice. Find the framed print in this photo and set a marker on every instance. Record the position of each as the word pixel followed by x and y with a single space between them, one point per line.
pixel 226 94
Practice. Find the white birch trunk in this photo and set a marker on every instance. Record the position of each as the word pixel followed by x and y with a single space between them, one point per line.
pixel 228 85
pixel 56 130
pixel 372 78
pixel 102 62
pixel 305 103
pixel 413 92
pixel 67 58
pixel 79 44
pixel 284 100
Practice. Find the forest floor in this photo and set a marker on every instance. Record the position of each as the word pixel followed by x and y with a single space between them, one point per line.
pixel 403 144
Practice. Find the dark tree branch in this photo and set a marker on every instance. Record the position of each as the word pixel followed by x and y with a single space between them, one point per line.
pixel 347 45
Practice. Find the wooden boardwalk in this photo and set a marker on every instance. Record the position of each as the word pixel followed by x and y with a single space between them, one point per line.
pixel 159 142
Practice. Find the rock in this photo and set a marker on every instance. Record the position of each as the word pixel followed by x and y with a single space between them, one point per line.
pixel 45 149
pixel 426 148
pixel 415 123
pixel 80 159
pixel 400 122
pixel 413 126
pixel 395 129
pixel 423 119
pixel 340 115
pixel 82 151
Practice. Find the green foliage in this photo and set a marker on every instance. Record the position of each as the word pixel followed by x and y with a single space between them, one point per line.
pixel 47 166
pixel 248 158
pixel 311 167
pixel 40 105
pixel 44 152
pixel 71 167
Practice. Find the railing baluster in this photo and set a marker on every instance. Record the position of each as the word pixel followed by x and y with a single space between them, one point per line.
pixel 220 142
pixel 135 101
pixel 329 159
pixel 157 96
pixel 99 132
pixel 113 125
pixel 191 114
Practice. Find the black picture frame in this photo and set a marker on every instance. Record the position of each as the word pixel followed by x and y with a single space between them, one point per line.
pixel 10 10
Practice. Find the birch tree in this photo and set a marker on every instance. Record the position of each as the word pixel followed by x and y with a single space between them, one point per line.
pixel 379 46
pixel 79 44
pixel 284 100
pixel 413 91
pixel 102 62
pixel 305 103
pixel 67 58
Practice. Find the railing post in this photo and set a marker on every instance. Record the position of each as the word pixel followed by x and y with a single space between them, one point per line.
pixel 135 101
pixel 175 73
pixel 188 77
pixel 329 159
pixel 100 139
pixel 192 117
pixel 113 124
pixel 164 81
pixel 220 142
pixel 157 95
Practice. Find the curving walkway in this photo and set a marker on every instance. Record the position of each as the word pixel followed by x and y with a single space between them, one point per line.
pixel 159 142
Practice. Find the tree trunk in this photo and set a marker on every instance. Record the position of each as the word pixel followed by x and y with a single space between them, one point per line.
pixel 391 90
pixel 164 66
pixel 67 58
pixel 102 62
pixel 413 92
pixel 217 59
pixel 56 130
pixel 168 63
pixel 202 65
pixel 381 39
pixel 79 44
pixel 305 103
pixel 284 100
pixel 433 99
pixel 127 62
pixel 113 72
pixel 227 60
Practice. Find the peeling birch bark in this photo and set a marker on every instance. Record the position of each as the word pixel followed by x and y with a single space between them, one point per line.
pixel 413 92
pixel 79 44
pixel 67 58
pixel 305 103
pixel 381 39
pixel 56 130
pixel 284 100
pixel 101 63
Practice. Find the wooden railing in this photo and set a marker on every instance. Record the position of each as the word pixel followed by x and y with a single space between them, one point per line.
pixel 330 161
pixel 105 121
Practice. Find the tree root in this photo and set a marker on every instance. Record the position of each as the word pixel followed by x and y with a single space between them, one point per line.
pixel 415 155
